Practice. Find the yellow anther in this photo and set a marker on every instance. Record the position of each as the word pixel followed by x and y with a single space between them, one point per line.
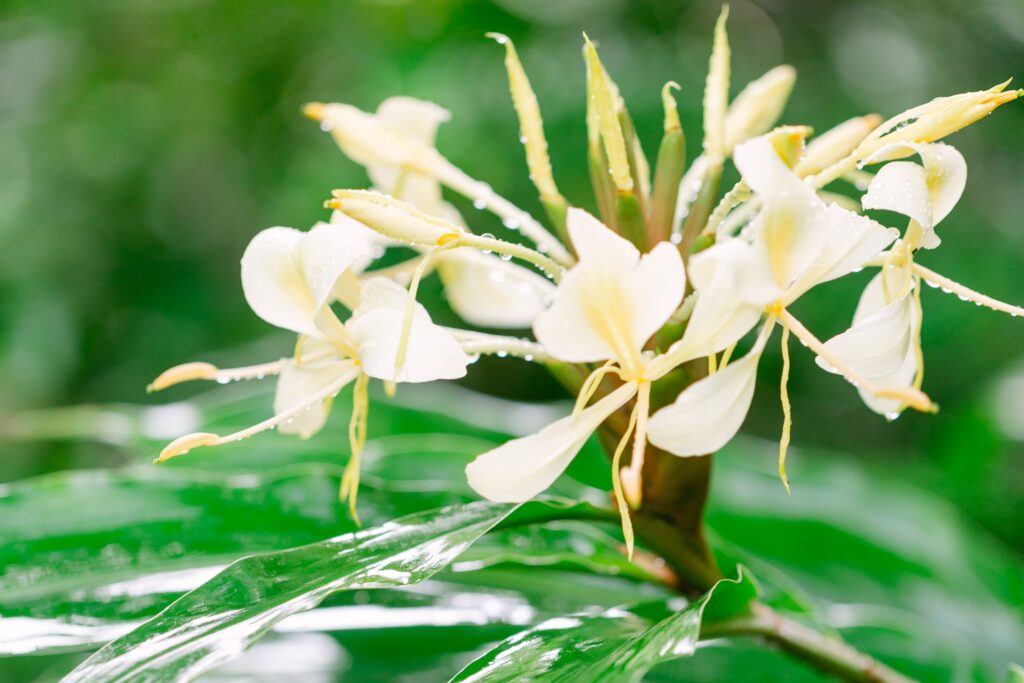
pixel 186 372
pixel 183 444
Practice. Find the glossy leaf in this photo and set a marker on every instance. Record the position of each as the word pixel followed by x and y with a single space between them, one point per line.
pixel 616 645
pixel 215 622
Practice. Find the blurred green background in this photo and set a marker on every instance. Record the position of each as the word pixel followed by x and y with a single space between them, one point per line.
pixel 142 144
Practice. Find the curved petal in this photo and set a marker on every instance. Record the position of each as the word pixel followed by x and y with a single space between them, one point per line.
pixel 612 301
pixel 787 231
pixel 288 276
pixel 707 415
pixel 376 329
pixel 596 244
pixel 876 345
pixel 488 291
pixel 947 177
pixel 296 384
pixel 880 342
pixel 901 186
pixel 420 120
pixel 522 468
pixel 752 280
pixel 657 284
pixel 852 241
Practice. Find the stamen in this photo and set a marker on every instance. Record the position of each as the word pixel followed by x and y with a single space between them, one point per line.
pixel 184 444
pixel 918 350
pixel 187 372
pixel 620 498
pixel 965 293
pixel 914 398
pixel 632 474
pixel 726 355
pixel 401 273
pixel 486 244
pixel 477 343
pixel 484 197
pixel 410 306
pixel 591 384
pixel 357 442
pixel 787 416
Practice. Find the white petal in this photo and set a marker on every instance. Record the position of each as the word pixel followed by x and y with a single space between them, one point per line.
pixel 852 241
pixel 902 377
pixel 376 329
pixel 876 345
pixel 596 243
pixel 787 231
pixel 751 277
pixel 296 384
pixel 901 186
pixel 288 276
pixel 877 295
pixel 880 343
pixel 657 284
pixel 487 291
pixel 612 301
pixel 417 119
pixel 524 467
pixel 947 176
pixel 707 414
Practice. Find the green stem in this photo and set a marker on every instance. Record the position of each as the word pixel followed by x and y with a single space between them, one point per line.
pixel 829 655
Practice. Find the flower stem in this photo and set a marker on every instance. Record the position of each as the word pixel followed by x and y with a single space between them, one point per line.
pixel 827 654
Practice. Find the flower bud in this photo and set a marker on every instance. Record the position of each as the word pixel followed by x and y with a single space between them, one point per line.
pixel 936 119
pixel 531 125
pixel 394 219
pixel 369 141
pixel 756 109
pixel 836 144
pixel 603 119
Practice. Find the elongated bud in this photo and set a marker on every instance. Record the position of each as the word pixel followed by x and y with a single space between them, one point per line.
pixel 758 106
pixel 936 119
pixel 392 218
pixel 603 116
pixel 716 94
pixel 184 444
pixel 531 131
pixel 368 141
pixel 836 144
pixel 668 170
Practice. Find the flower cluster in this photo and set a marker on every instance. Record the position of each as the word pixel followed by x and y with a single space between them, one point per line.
pixel 663 288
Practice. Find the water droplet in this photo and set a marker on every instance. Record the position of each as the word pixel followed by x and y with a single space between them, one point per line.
pixel 479 203
pixel 891 417
pixel 506 257
pixel 501 354
pixel 326 126
pixel 528 358
pixel 931 284
pixel 676 238
pixel 511 223
pixel 522 139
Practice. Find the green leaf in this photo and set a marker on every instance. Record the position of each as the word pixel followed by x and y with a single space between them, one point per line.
pixel 897 570
pixel 616 645
pixel 215 622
